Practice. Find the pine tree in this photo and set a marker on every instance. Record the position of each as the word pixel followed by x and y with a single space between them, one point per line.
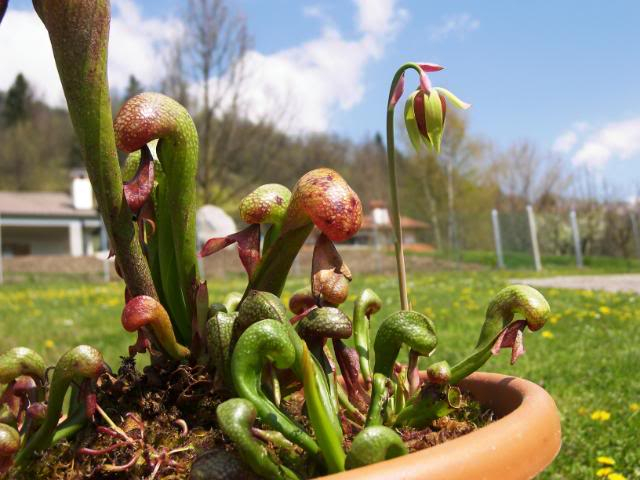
pixel 17 102
pixel 133 88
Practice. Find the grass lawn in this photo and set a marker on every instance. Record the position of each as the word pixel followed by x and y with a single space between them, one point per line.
pixel 587 358
pixel 559 263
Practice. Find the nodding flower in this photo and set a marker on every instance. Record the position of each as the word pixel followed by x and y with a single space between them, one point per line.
pixel 426 109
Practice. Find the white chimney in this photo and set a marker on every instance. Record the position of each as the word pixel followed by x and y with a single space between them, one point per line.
pixel 380 216
pixel 81 193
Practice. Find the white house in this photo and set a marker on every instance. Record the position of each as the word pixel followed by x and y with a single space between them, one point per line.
pixel 51 223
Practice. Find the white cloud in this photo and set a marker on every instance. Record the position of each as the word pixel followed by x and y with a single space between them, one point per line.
pixel 136 44
pixel 581 127
pixel 300 88
pixel 458 26
pixel 565 142
pixel 318 12
pixel 135 48
pixel 380 17
pixel 313 11
pixel 25 48
pixel 618 140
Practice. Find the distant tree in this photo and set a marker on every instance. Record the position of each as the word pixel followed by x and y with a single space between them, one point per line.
pixel 215 44
pixel 35 141
pixel 175 83
pixel 134 87
pixel 461 156
pixel 17 102
pixel 205 70
pixel 366 169
pixel 527 177
pixel 75 155
pixel 441 189
pixel 428 177
pixel 618 231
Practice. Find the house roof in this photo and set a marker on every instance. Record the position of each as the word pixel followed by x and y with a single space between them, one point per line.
pixel 405 222
pixel 383 222
pixel 41 204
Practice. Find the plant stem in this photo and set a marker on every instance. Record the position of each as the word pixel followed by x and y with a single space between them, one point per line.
pixel 113 425
pixel 393 188
pixel 79 33
pixel 395 212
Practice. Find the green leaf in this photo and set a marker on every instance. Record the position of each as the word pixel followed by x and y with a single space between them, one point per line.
pixel 330 442
pixel 411 123
pixel 433 117
pixel 455 100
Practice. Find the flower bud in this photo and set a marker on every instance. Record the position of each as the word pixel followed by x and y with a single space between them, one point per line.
pixel 426 109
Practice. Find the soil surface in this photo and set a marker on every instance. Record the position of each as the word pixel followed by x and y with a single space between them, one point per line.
pixel 611 283
pixel 161 424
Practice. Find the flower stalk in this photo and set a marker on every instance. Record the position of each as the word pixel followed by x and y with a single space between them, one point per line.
pixel 425 113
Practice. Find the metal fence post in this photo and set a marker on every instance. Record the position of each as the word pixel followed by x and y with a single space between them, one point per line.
pixel 534 238
pixel 576 238
pixel 636 231
pixel 497 239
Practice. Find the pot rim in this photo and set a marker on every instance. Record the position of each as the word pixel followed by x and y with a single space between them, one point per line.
pixel 520 444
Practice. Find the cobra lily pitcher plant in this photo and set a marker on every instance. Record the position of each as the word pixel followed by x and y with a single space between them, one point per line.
pixel 262 356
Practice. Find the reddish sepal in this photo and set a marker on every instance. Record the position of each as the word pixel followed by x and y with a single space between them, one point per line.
pixel 138 189
pixel 248 241
pixel 511 337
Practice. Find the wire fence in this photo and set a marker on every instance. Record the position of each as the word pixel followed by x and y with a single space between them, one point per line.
pixel 520 239
pixel 566 237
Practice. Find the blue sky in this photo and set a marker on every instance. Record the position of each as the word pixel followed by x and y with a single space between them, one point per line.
pixel 561 74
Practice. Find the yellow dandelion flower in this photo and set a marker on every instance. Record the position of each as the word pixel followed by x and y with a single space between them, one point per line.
pixel 600 415
pixel 616 476
pixel 547 334
pixel 634 407
pixel 604 310
pixel 554 319
pixel 48 343
pixel 428 311
pixel 606 460
pixel 603 472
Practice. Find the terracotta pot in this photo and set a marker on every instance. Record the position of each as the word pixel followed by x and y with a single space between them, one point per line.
pixel 519 445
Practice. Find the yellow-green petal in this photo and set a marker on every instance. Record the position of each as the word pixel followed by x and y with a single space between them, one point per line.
pixel 434 118
pixel 410 121
pixel 455 100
